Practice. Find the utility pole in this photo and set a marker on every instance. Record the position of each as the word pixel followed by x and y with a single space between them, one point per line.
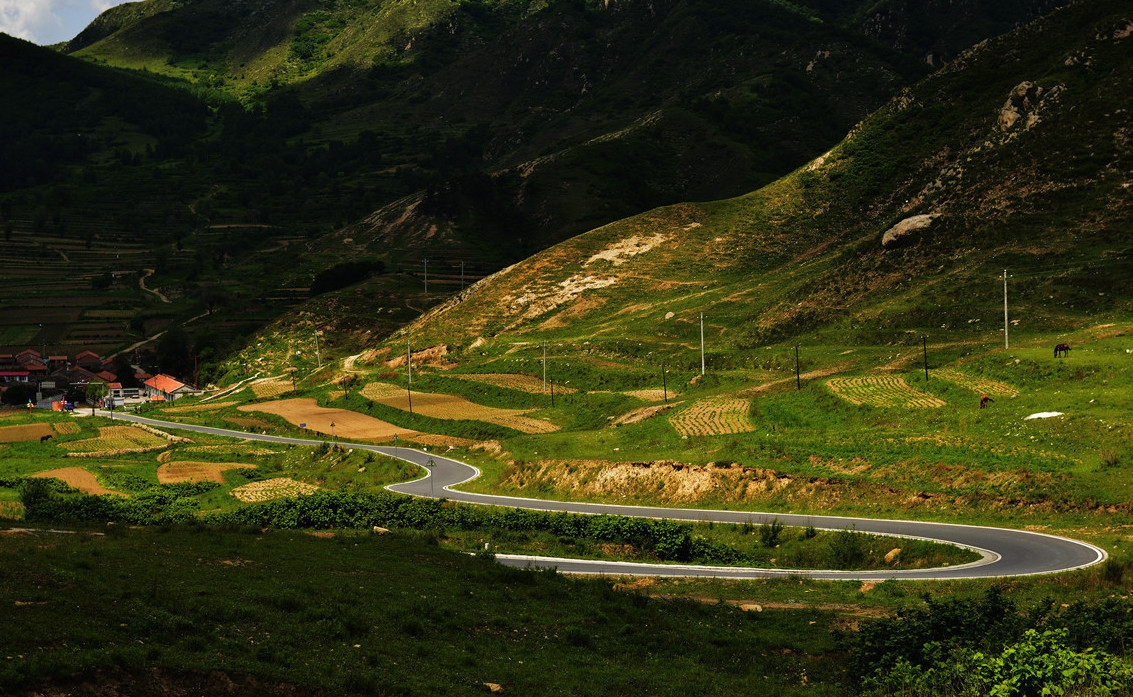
pixel 1006 343
pixel 409 392
pixel 409 359
pixel 664 381
pixel 544 366
pixel 702 343
pixel 924 342
pixel 798 376
pixel 426 276
pixel 318 356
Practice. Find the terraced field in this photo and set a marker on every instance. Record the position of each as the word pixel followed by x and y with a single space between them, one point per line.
pixel 447 406
pixel 882 391
pixel 513 381
pixel 713 417
pixel 976 384
pixel 116 439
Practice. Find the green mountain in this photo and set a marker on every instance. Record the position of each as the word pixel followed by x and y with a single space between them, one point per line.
pixel 1014 157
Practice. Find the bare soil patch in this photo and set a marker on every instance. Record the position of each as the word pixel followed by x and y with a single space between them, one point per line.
pixel 79 478
pixel 514 381
pixel 652 395
pixel 641 414
pixel 347 424
pixel 25 432
pixel 173 472
pixel 447 406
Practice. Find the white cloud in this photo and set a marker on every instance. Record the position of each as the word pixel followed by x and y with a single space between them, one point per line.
pixel 49 21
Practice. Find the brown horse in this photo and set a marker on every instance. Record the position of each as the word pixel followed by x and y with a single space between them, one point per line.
pixel 1061 350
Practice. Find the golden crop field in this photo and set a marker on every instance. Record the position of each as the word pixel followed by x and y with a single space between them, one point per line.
pixel 976 384
pixel 268 489
pixel 66 427
pixel 514 381
pixel 117 439
pixel 271 388
pixel 882 391
pixel 711 417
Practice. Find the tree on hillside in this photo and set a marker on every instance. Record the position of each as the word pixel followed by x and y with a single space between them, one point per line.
pixel 124 370
pixel 173 356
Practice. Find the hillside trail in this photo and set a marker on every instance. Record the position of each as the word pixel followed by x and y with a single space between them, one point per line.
pixel 142 285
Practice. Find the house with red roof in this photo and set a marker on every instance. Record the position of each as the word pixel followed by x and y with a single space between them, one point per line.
pixel 167 388
pixel 90 361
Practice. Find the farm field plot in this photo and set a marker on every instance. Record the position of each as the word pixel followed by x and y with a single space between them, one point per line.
pixel 976 384
pixel 347 424
pixel 16 434
pixel 79 478
pixel 187 471
pixel 447 406
pixel 882 391
pixel 268 489
pixel 712 417
pixel 65 427
pixel 245 447
pixel 117 439
pixel 513 381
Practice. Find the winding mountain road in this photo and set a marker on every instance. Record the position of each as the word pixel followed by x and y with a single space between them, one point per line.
pixel 1005 552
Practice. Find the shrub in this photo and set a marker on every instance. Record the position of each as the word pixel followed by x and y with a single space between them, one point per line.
pixel 770 533
pixel 847 549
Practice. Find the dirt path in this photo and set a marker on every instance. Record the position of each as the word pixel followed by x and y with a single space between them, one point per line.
pixel 142 285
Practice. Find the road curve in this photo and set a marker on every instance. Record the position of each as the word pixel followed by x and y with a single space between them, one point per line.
pixel 1005 552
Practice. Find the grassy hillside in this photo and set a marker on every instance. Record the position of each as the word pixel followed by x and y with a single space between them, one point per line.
pixel 1014 153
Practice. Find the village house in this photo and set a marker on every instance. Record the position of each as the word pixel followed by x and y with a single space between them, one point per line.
pixel 167 388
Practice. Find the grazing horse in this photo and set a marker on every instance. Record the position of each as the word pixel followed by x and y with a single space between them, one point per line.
pixel 44 439
pixel 1061 350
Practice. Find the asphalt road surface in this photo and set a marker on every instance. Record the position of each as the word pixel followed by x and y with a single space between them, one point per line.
pixel 1005 552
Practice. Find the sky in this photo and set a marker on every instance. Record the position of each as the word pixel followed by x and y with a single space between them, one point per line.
pixel 49 21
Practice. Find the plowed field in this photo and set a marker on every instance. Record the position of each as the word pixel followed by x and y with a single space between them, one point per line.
pixel 447 406
pixel 173 472
pixel 711 417
pixel 25 432
pixel 347 424
pixel 79 478
pixel 882 391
